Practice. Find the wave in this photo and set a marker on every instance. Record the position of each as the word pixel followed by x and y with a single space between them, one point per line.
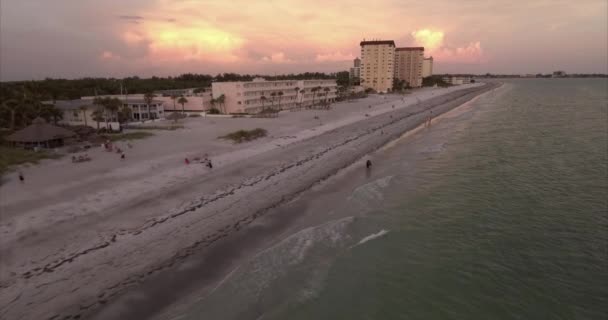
pixel 372 237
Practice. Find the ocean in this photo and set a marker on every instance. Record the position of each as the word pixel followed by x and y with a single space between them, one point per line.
pixel 497 211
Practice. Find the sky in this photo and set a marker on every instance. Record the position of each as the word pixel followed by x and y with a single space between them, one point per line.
pixel 118 38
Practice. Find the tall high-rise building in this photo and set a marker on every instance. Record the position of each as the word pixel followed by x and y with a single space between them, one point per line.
pixel 355 71
pixel 377 59
pixel 408 65
pixel 427 67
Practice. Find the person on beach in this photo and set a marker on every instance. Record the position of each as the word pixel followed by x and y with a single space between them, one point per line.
pixel 186 161
pixel 122 156
pixel 21 178
pixel 368 164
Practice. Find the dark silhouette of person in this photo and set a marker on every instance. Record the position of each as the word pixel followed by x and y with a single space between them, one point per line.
pixel 368 164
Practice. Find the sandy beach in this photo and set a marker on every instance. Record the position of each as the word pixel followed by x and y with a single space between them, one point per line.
pixel 73 237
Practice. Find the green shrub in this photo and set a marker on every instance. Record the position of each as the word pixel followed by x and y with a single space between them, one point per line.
pixel 213 111
pixel 129 136
pixel 245 135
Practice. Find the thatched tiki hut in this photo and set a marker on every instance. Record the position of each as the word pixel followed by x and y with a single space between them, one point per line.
pixel 40 134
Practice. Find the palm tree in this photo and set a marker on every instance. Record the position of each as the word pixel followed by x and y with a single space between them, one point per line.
pixel 221 100
pixel 274 94
pixel 148 98
pixel 314 94
pixel 98 113
pixel 182 100
pixel 263 99
pixel 51 111
pixel 98 116
pixel 280 94
pixel 83 109
pixel 125 114
pixel 113 105
pixel 173 97
pixel 302 96
pixel 297 89
pixel 326 89
pixel 12 106
pixel 202 92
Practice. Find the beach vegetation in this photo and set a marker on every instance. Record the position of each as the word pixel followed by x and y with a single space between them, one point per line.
pixel 10 157
pixel 214 111
pixel 241 136
pixel 128 136
pixel 170 127
pixel 182 100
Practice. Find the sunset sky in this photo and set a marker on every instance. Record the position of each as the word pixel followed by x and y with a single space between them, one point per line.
pixel 72 39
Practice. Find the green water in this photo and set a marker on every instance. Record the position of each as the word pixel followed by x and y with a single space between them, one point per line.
pixel 498 211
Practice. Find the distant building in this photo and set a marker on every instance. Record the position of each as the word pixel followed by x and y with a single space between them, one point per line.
pixel 377 64
pixel 427 67
pixel 457 80
pixel 246 97
pixel 197 102
pixel 408 65
pixel 81 111
pixel 355 71
pixel 559 74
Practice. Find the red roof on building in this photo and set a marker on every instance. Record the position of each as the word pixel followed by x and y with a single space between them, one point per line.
pixel 377 42
pixel 410 49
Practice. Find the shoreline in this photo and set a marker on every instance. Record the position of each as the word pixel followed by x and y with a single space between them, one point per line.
pixel 175 236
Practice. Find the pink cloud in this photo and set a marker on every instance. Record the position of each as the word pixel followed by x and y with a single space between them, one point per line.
pixel 277 57
pixel 108 55
pixel 334 57
pixel 471 53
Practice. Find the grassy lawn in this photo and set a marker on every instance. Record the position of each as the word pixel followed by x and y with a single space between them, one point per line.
pixel 15 156
pixel 129 136
pixel 245 135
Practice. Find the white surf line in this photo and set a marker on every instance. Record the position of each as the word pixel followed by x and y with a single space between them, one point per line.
pixel 371 237
pixel 414 131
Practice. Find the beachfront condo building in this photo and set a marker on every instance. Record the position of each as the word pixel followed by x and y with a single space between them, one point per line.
pixel 377 60
pixel 355 71
pixel 259 94
pixel 408 65
pixel 427 67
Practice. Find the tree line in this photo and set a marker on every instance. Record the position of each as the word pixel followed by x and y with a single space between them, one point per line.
pixel 64 89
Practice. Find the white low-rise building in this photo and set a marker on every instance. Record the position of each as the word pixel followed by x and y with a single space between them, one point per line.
pixel 254 96
pixel 457 80
pixel 83 111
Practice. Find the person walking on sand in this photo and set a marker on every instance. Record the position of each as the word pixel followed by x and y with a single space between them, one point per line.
pixel 122 156
pixel 368 164
pixel 21 178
